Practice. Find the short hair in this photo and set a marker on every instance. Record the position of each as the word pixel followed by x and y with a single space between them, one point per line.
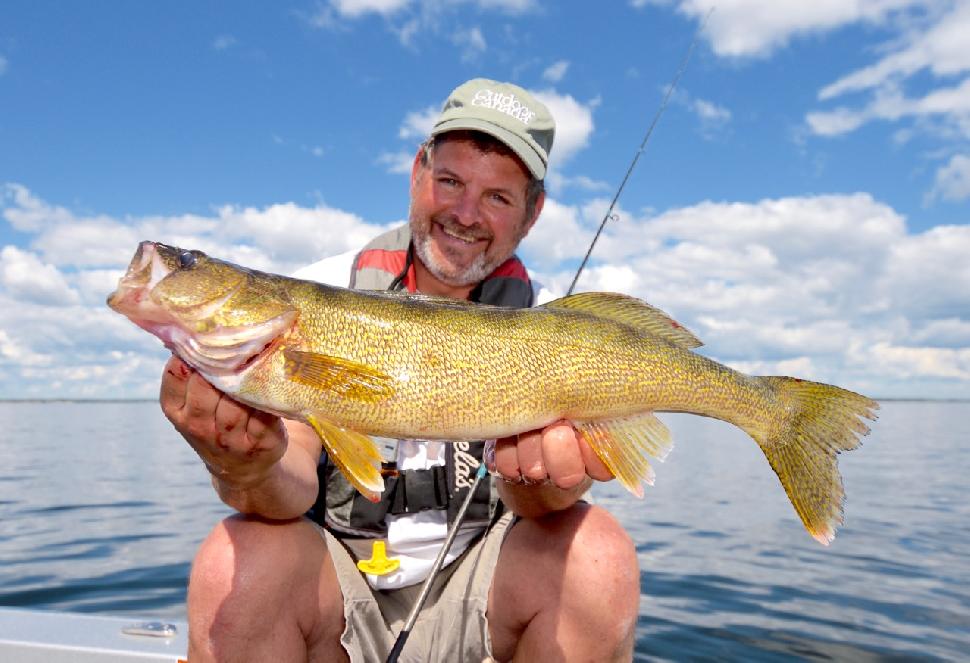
pixel 485 143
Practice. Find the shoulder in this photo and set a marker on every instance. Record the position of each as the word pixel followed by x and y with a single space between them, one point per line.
pixel 334 270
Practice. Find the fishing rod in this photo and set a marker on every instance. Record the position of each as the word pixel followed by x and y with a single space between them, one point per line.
pixel 482 469
pixel 636 157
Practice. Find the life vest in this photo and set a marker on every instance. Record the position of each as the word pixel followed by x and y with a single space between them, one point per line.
pixel 386 263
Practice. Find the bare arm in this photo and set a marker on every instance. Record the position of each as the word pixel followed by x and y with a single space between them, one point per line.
pixel 260 463
pixel 546 470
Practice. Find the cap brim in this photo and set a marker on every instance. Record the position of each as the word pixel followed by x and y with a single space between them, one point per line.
pixel 530 158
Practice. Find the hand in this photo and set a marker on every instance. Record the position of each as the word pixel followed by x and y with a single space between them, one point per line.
pixel 238 444
pixel 556 454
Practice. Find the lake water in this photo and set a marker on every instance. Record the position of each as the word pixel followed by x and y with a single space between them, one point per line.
pixel 102 507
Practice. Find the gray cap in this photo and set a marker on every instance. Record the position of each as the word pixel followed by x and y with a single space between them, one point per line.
pixel 505 111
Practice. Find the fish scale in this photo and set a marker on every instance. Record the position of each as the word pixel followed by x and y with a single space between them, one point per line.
pixel 354 364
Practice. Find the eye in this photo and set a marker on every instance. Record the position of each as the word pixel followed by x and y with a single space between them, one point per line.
pixel 186 259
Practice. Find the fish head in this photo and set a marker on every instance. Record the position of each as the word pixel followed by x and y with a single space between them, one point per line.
pixel 217 316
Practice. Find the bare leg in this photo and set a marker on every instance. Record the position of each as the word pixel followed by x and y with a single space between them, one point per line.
pixel 566 588
pixel 264 591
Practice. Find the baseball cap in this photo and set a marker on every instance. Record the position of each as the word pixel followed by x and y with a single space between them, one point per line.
pixel 505 111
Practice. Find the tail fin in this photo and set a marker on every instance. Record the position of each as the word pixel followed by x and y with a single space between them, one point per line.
pixel 818 422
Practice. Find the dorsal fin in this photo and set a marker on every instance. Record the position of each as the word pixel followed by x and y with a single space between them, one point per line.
pixel 630 311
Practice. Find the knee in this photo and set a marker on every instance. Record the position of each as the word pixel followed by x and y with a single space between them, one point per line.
pixel 602 555
pixel 244 559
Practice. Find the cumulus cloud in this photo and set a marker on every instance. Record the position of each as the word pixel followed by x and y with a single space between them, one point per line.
pixel 930 49
pixel 574 123
pixel 26 277
pixel 942 49
pixel 890 104
pixel 754 28
pixel 556 71
pixel 59 339
pixel 357 8
pixel 953 180
pixel 418 124
pixel 817 286
pixel 828 287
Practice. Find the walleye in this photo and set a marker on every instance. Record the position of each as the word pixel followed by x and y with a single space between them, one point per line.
pixel 353 364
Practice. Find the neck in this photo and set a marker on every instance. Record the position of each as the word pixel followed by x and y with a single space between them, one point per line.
pixel 428 284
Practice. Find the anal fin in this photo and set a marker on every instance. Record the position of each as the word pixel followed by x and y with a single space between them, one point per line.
pixel 354 453
pixel 624 444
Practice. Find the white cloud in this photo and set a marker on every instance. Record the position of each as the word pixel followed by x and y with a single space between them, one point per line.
pixel 358 8
pixel 397 162
pixel 223 42
pixel 809 286
pixel 942 48
pixel 4 65
pixel 25 277
pixel 889 104
pixel 471 42
pixel 556 71
pixel 953 180
pixel 574 124
pixel 824 287
pixel 417 125
pixel 755 28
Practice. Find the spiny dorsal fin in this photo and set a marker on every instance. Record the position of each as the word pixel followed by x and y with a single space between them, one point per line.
pixel 630 311
pixel 624 444
pixel 344 376
pixel 354 453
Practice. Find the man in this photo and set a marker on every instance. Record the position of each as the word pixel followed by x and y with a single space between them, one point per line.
pixel 559 582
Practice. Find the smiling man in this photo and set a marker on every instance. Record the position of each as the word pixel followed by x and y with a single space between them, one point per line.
pixel 535 572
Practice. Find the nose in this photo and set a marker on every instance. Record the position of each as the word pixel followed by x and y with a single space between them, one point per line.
pixel 466 208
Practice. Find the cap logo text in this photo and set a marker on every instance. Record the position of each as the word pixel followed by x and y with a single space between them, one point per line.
pixel 503 103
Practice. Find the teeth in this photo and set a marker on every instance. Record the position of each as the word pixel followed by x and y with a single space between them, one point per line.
pixel 451 233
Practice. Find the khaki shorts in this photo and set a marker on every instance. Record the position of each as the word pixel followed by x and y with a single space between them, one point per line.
pixel 452 625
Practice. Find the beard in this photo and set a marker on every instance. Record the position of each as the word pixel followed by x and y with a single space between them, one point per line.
pixel 445 264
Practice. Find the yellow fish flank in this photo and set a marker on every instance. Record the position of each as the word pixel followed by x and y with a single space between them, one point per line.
pixel 354 364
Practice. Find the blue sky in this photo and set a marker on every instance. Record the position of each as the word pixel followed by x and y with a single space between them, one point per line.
pixel 803 205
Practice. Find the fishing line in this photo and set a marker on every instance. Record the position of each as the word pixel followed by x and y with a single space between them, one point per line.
pixel 636 157
pixel 482 469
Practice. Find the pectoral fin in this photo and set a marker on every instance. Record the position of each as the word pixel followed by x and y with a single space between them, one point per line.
pixel 344 376
pixel 623 444
pixel 354 453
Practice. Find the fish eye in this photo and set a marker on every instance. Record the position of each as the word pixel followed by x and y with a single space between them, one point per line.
pixel 186 259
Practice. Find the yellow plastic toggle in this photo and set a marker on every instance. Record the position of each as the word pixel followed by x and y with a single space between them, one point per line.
pixel 379 563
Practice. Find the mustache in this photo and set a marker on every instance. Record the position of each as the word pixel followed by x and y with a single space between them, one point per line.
pixel 451 224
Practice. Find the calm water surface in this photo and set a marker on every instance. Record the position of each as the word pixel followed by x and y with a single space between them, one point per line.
pixel 102 507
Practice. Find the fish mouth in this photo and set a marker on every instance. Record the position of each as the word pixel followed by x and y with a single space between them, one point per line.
pixel 219 351
pixel 148 266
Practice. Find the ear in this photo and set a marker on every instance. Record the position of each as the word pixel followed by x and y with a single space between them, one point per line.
pixel 540 201
pixel 417 168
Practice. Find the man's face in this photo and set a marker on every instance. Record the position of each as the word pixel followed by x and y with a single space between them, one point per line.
pixel 468 211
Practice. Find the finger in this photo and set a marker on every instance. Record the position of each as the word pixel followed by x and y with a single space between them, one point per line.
pixel 171 394
pixel 197 417
pixel 231 424
pixel 595 467
pixel 266 431
pixel 529 450
pixel 506 458
pixel 562 455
